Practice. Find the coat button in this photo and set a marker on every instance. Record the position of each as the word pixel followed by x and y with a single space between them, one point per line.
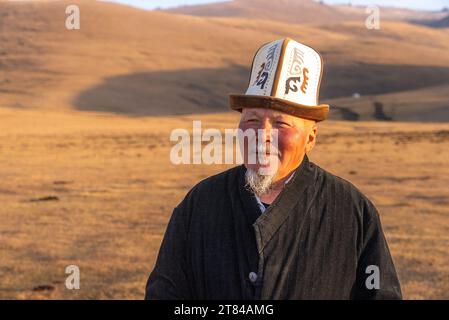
pixel 253 277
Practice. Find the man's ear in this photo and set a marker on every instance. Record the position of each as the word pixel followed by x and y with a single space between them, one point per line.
pixel 311 137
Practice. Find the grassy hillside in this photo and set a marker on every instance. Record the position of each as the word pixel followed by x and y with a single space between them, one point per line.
pixel 136 62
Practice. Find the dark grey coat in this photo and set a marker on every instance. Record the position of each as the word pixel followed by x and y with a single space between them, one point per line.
pixel 315 241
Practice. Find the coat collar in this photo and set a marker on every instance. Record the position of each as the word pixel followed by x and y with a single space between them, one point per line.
pixel 259 202
pixel 269 222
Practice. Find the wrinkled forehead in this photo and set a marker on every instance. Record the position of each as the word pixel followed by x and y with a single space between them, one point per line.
pixel 264 112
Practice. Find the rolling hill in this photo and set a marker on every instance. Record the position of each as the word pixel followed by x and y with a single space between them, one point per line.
pixel 135 62
pixel 436 23
pixel 300 11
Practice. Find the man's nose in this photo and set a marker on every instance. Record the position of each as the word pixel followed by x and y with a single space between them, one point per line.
pixel 266 128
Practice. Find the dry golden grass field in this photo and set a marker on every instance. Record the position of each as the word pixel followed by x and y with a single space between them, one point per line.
pixel 86 116
pixel 97 191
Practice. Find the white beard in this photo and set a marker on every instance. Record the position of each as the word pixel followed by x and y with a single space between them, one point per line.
pixel 258 183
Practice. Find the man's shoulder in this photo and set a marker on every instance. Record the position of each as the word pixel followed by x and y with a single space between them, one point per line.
pixel 216 184
pixel 219 179
pixel 342 188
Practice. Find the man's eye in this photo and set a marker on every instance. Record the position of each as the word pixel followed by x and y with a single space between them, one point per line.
pixel 282 123
pixel 251 120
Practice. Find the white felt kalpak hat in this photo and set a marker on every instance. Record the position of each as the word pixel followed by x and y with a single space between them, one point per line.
pixel 285 76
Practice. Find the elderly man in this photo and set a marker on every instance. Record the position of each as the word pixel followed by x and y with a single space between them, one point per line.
pixel 294 231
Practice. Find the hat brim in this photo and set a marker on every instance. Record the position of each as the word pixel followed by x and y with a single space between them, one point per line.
pixel 239 101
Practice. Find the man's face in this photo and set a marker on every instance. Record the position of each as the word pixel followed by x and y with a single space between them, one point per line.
pixel 295 137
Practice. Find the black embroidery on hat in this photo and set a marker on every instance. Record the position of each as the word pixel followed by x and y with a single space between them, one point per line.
pixel 261 77
pixel 270 57
pixel 262 66
pixel 292 87
pixel 265 67
pixel 262 80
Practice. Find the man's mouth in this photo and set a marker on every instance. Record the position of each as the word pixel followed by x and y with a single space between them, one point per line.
pixel 268 154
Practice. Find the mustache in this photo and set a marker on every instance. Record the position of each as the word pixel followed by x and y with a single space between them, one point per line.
pixel 264 148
